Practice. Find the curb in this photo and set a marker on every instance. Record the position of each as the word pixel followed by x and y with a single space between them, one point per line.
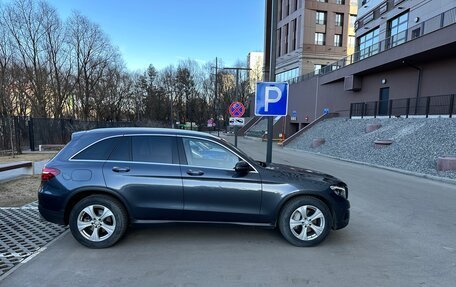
pixel 403 171
pixel 253 138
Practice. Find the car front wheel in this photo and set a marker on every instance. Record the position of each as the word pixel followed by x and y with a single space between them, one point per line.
pixel 305 221
pixel 98 221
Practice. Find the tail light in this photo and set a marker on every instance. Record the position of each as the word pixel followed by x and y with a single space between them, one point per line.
pixel 48 173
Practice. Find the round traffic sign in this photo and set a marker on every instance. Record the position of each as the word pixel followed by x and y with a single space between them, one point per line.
pixel 236 109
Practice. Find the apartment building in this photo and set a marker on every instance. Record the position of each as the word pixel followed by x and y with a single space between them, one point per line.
pixel 312 34
pixel 384 24
pixel 255 64
pixel 403 66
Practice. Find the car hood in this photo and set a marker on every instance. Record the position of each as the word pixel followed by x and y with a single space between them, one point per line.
pixel 292 174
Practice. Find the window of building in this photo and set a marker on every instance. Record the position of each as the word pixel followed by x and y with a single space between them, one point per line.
pixel 279 42
pixel 320 38
pixel 287 75
pixel 208 154
pixel 416 33
pixel 338 40
pixel 339 19
pixel 320 17
pixel 318 68
pixel 352 21
pixel 296 4
pixel 368 44
pixel 279 13
pixel 351 41
pixel 98 151
pixel 287 26
pixel 340 2
pixel 156 149
pixel 294 36
pixel 324 1
pixel 397 30
pixel 287 7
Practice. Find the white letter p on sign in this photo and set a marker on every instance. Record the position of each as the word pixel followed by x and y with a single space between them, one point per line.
pixel 268 100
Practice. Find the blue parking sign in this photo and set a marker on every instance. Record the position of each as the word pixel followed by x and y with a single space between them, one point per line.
pixel 271 99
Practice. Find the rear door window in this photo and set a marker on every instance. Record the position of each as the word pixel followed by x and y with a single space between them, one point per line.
pixel 122 151
pixel 154 149
pixel 98 151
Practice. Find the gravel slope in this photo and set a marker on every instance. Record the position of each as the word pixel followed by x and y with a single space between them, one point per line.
pixel 417 142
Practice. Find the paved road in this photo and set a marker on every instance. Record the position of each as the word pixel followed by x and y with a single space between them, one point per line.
pixel 402 233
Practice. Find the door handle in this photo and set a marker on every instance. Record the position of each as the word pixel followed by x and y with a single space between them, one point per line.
pixel 120 169
pixel 195 172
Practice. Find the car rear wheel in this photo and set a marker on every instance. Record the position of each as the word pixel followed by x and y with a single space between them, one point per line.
pixel 98 221
pixel 305 221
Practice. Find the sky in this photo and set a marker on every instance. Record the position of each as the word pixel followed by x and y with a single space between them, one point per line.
pixel 163 32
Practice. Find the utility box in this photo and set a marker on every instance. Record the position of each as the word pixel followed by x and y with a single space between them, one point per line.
pixel 352 83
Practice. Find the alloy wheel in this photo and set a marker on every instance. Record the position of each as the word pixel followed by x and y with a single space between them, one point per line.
pixel 307 222
pixel 96 223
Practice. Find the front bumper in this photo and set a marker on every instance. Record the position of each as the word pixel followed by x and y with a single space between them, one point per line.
pixel 341 216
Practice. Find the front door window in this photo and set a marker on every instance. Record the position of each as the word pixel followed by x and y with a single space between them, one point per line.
pixel 208 154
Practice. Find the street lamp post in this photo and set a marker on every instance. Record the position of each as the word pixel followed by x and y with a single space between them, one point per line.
pixel 272 76
pixel 216 96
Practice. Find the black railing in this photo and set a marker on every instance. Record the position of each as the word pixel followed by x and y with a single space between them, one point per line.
pixel 426 106
pixel 25 133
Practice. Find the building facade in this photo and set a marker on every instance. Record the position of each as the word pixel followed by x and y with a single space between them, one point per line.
pixel 255 64
pixel 403 65
pixel 312 34
pixel 390 23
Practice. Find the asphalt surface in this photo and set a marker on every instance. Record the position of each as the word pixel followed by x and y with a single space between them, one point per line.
pixel 402 233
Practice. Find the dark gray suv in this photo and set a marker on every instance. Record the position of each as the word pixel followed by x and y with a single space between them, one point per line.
pixel 106 179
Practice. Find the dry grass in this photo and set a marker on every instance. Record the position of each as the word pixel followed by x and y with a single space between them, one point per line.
pixel 20 191
pixel 26 157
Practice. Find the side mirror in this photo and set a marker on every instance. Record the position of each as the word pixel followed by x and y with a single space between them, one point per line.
pixel 242 167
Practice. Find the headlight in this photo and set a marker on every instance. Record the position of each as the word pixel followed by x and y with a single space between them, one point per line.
pixel 340 191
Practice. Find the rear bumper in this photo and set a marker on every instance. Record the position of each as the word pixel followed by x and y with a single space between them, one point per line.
pixel 52 216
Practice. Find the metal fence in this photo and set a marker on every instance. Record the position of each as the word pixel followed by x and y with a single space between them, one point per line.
pixel 24 133
pixel 425 106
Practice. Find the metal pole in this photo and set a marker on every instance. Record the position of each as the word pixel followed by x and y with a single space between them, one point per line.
pixel 171 110
pixel 236 99
pixel 272 68
pixel 216 97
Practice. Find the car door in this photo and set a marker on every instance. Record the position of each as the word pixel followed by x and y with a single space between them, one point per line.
pixel 144 169
pixel 213 190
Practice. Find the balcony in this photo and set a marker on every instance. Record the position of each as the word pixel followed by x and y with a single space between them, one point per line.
pixel 391 46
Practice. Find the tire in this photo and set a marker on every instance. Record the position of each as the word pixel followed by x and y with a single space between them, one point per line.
pixel 98 221
pixel 305 231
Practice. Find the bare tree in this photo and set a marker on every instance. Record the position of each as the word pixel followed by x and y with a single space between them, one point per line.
pixel 59 60
pixel 6 103
pixel 93 54
pixel 25 25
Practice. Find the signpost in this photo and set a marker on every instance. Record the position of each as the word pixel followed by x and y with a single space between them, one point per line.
pixel 271 99
pixel 236 110
pixel 237 122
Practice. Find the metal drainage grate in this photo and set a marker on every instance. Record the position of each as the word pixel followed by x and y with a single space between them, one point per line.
pixel 22 234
